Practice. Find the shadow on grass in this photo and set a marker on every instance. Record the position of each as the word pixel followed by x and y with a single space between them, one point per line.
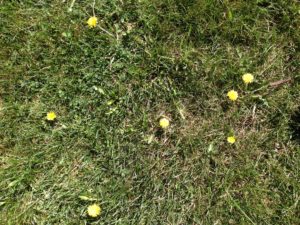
pixel 295 126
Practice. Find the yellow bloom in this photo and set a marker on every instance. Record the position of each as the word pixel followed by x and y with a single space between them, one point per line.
pixel 248 78
pixel 164 123
pixel 232 95
pixel 92 22
pixel 231 139
pixel 94 210
pixel 51 116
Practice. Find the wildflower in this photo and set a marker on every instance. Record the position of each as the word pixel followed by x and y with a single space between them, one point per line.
pixel 248 78
pixel 231 139
pixel 164 123
pixel 94 210
pixel 51 116
pixel 92 22
pixel 232 95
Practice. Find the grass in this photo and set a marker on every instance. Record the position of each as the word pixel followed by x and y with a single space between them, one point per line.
pixel 109 86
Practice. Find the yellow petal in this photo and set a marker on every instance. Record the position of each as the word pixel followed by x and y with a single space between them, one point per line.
pixel 164 123
pixel 232 95
pixel 248 78
pixel 231 139
pixel 51 116
pixel 94 210
pixel 92 22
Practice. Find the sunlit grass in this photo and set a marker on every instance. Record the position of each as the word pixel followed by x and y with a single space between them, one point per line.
pixel 133 114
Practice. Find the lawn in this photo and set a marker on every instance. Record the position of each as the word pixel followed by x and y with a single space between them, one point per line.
pixel 110 85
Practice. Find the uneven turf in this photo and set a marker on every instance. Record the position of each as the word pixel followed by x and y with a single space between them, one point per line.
pixel 110 85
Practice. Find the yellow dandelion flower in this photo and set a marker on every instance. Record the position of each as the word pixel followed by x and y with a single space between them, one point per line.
pixel 94 210
pixel 164 123
pixel 232 95
pixel 92 22
pixel 231 139
pixel 248 78
pixel 51 116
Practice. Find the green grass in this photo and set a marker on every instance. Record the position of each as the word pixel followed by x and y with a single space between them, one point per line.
pixel 174 58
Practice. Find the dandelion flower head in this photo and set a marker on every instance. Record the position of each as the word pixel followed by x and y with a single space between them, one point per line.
pixel 94 210
pixel 51 116
pixel 231 139
pixel 232 95
pixel 92 22
pixel 164 123
pixel 248 78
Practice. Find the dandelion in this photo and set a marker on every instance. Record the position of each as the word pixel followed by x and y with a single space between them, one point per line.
pixel 51 116
pixel 164 123
pixel 94 210
pixel 248 78
pixel 231 139
pixel 232 95
pixel 92 22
